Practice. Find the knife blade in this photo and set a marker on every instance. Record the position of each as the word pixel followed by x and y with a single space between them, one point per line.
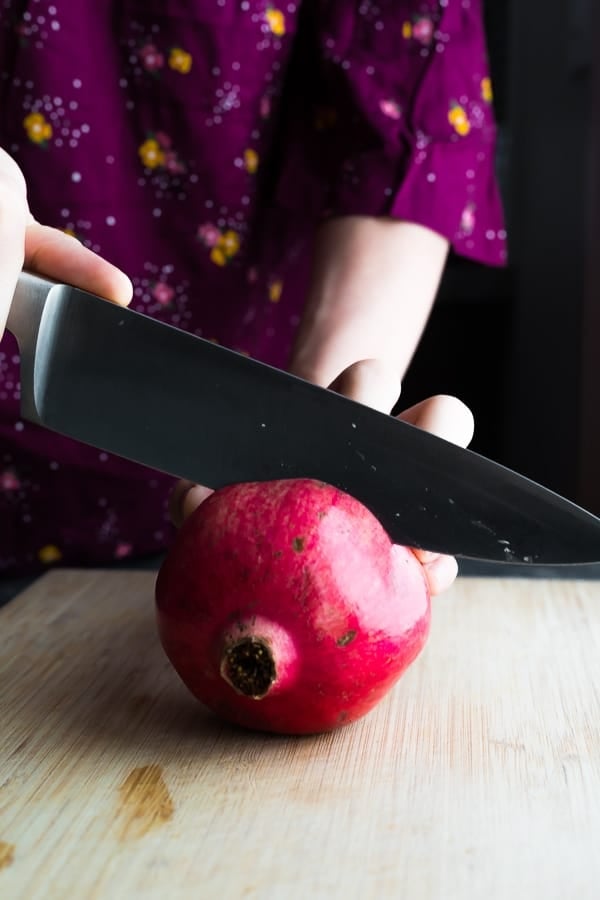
pixel 129 385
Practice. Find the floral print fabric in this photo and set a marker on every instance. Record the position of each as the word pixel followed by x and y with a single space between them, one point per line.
pixel 197 144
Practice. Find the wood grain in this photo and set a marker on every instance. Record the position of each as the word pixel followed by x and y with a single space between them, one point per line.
pixel 478 776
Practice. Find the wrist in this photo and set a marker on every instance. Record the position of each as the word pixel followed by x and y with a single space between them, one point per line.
pixel 373 284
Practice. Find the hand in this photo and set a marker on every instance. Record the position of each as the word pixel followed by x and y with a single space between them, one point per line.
pixel 24 243
pixel 373 285
pixel 375 384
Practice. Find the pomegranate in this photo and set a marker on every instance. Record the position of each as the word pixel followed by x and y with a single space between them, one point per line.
pixel 284 606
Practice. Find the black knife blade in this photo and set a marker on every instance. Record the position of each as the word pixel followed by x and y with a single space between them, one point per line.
pixel 129 385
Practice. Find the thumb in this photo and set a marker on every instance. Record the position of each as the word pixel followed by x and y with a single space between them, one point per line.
pixel 14 217
pixel 370 382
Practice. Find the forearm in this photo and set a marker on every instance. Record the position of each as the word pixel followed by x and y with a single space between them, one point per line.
pixel 373 285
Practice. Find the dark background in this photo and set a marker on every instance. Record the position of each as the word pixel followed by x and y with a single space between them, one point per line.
pixel 521 346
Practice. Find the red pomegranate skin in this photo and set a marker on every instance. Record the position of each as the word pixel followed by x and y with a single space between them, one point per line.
pixel 285 607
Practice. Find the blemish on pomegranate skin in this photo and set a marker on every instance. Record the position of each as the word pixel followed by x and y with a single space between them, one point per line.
pixel 346 638
pixel 7 854
pixel 145 802
pixel 298 544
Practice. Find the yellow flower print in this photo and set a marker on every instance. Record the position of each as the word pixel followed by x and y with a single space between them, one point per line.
pixel 151 153
pixel 275 289
pixel 406 30
pixel 223 247
pixel 251 160
pixel 276 21
pixel 226 248
pixel 487 94
pixel 218 257
pixel 180 60
pixel 458 119
pixel 38 129
pixel 229 242
pixel 49 554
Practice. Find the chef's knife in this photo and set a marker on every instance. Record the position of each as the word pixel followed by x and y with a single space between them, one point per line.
pixel 123 382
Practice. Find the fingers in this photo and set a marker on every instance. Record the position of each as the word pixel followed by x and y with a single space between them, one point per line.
pixel 440 571
pixel 185 498
pixel 51 252
pixel 375 384
pixel 14 216
pixel 370 382
pixel 447 417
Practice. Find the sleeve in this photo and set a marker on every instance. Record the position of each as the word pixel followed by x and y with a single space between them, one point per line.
pixel 397 118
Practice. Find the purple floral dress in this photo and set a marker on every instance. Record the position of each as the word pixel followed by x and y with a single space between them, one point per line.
pixel 196 144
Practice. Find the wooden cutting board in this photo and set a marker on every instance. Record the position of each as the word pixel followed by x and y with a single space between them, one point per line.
pixel 478 776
